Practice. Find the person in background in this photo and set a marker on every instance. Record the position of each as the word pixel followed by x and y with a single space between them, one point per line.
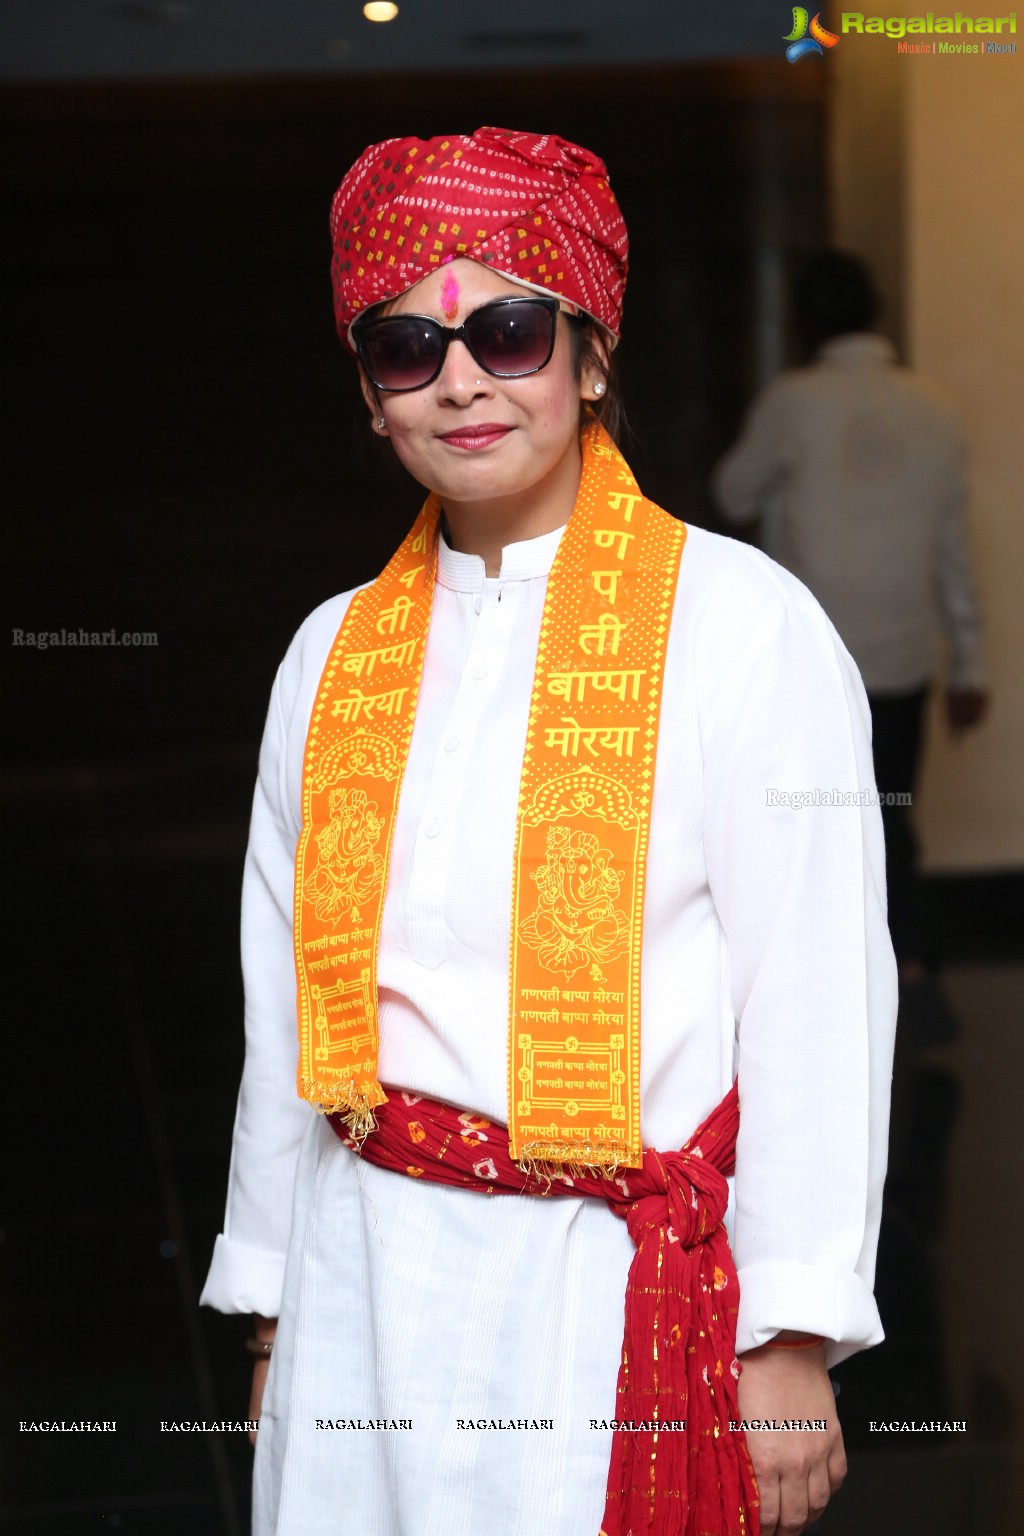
pixel 865 467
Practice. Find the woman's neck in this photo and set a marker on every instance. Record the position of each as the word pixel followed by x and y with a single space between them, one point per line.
pixel 485 528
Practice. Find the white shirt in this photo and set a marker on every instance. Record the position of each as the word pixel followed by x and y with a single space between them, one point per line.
pixel 405 1300
pixel 871 465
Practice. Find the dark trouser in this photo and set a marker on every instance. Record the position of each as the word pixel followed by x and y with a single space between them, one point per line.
pixel 897 736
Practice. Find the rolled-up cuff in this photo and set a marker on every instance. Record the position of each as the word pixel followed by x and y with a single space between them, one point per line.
pixel 807 1299
pixel 244 1279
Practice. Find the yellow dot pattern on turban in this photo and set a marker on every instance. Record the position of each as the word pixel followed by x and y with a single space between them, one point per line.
pixel 534 207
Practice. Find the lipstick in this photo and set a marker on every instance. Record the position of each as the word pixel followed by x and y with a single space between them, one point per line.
pixel 480 436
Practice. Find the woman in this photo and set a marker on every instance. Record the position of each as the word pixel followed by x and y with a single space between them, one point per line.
pixel 532 787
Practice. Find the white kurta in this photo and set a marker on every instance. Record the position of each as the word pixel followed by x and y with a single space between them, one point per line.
pixel 403 1300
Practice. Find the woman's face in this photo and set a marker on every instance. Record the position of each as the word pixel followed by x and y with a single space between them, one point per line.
pixel 533 442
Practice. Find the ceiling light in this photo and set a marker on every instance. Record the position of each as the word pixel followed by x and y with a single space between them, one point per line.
pixel 380 10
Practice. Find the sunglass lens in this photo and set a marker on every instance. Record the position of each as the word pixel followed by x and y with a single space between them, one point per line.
pixel 512 339
pixel 401 353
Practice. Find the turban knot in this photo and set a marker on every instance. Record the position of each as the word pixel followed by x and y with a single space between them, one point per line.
pixel 534 207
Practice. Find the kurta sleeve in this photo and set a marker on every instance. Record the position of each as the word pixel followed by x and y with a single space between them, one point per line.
pixel 958 602
pixel 800 892
pixel 247 1271
pixel 758 459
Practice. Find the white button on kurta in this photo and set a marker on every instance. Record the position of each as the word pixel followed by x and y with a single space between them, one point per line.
pixel 765 950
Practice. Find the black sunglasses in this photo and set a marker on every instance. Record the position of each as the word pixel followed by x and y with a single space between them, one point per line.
pixel 509 338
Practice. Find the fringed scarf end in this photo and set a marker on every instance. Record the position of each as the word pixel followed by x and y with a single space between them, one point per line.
pixel 352 1103
pixel 550 1160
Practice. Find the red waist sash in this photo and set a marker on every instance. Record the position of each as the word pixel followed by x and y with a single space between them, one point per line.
pixel 679 1346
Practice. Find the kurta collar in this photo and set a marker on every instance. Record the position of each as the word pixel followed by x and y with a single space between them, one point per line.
pixel 858 348
pixel 525 561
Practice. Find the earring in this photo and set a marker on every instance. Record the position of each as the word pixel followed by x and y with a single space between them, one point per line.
pixel 599 388
pixel 380 423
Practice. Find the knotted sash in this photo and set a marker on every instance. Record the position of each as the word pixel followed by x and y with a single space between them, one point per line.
pixel 679 1345
pixel 582 827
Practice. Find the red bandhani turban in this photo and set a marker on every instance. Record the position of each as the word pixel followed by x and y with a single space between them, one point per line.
pixel 532 206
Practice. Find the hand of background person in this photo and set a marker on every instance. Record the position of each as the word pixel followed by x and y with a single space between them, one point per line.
pixel 965 707
pixel 265 1329
pixel 797 1471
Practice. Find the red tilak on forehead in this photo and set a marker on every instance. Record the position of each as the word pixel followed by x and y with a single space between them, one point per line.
pixel 449 297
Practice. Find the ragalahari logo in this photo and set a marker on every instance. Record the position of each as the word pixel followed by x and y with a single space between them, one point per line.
pixel 798 40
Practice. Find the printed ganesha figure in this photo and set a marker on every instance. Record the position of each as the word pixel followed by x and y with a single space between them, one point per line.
pixel 567 946
pixel 348 870
pixel 575 923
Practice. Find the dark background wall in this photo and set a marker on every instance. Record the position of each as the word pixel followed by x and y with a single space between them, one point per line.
pixel 183 421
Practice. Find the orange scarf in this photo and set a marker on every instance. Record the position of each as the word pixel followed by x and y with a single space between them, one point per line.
pixel 582 831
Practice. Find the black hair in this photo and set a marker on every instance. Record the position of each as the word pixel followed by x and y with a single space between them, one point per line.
pixel 610 410
pixel 835 294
